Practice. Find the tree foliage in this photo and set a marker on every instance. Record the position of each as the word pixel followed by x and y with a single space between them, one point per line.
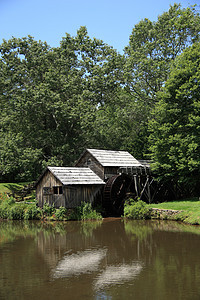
pixel 175 127
pixel 153 46
pixel 55 102
pixel 152 49
pixel 39 103
pixel 49 97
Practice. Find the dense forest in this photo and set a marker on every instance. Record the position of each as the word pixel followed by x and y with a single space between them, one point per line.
pixel 55 102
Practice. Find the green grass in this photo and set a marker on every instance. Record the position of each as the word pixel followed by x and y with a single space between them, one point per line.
pixel 190 209
pixel 11 187
pixel 14 190
pixel 187 204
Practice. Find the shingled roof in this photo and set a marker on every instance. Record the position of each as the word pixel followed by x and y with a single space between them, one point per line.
pixel 110 158
pixel 73 175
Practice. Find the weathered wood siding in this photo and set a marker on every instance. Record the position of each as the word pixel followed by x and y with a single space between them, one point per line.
pixel 49 181
pixel 72 195
pixel 87 160
pixel 76 194
pixel 110 171
pixel 103 172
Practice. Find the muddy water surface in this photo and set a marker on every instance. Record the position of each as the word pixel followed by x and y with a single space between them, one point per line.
pixel 112 259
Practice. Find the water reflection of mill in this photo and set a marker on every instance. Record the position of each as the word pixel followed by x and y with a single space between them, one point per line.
pixel 82 250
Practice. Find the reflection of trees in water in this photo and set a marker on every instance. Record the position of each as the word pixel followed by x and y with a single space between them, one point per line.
pixel 112 251
pixel 109 235
pixel 175 263
pixel 25 247
pixel 74 236
pixel 137 229
pixel 17 257
pixel 12 230
pixel 87 227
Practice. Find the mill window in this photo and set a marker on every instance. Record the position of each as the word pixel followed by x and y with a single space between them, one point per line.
pixel 57 190
pixel 47 190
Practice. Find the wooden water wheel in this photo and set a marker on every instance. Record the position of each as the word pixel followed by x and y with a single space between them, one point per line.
pixel 114 194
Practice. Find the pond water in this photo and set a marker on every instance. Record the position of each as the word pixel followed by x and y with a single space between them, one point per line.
pixel 110 259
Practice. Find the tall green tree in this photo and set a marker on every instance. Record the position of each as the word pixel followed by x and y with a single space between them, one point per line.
pixel 49 99
pixel 175 127
pixel 54 102
pixel 153 46
pixel 152 49
pixel 121 126
pixel 40 89
pixel 102 78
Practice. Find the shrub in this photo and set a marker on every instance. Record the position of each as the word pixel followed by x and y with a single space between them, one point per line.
pixel 136 210
pixel 5 206
pixel 5 200
pixel 61 214
pixel 88 213
pixel 9 209
pixel 85 212
pixel 4 211
pixel 48 210
pixel 32 212
pixel 16 212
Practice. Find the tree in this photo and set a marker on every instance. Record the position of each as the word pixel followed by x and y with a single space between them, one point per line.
pixel 119 126
pixel 101 66
pixel 39 115
pixel 102 75
pixel 152 48
pixel 55 102
pixel 175 125
pixel 49 98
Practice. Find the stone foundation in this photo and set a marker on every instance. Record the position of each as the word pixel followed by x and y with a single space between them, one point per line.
pixel 163 214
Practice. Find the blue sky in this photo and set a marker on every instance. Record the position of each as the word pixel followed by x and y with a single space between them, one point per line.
pixel 49 20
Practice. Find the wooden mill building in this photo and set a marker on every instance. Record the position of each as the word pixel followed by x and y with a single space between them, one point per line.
pixel 68 186
pixel 103 176
pixel 106 163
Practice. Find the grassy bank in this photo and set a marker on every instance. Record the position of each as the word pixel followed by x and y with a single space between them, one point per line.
pixel 10 209
pixel 11 187
pixel 14 210
pixel 189 210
